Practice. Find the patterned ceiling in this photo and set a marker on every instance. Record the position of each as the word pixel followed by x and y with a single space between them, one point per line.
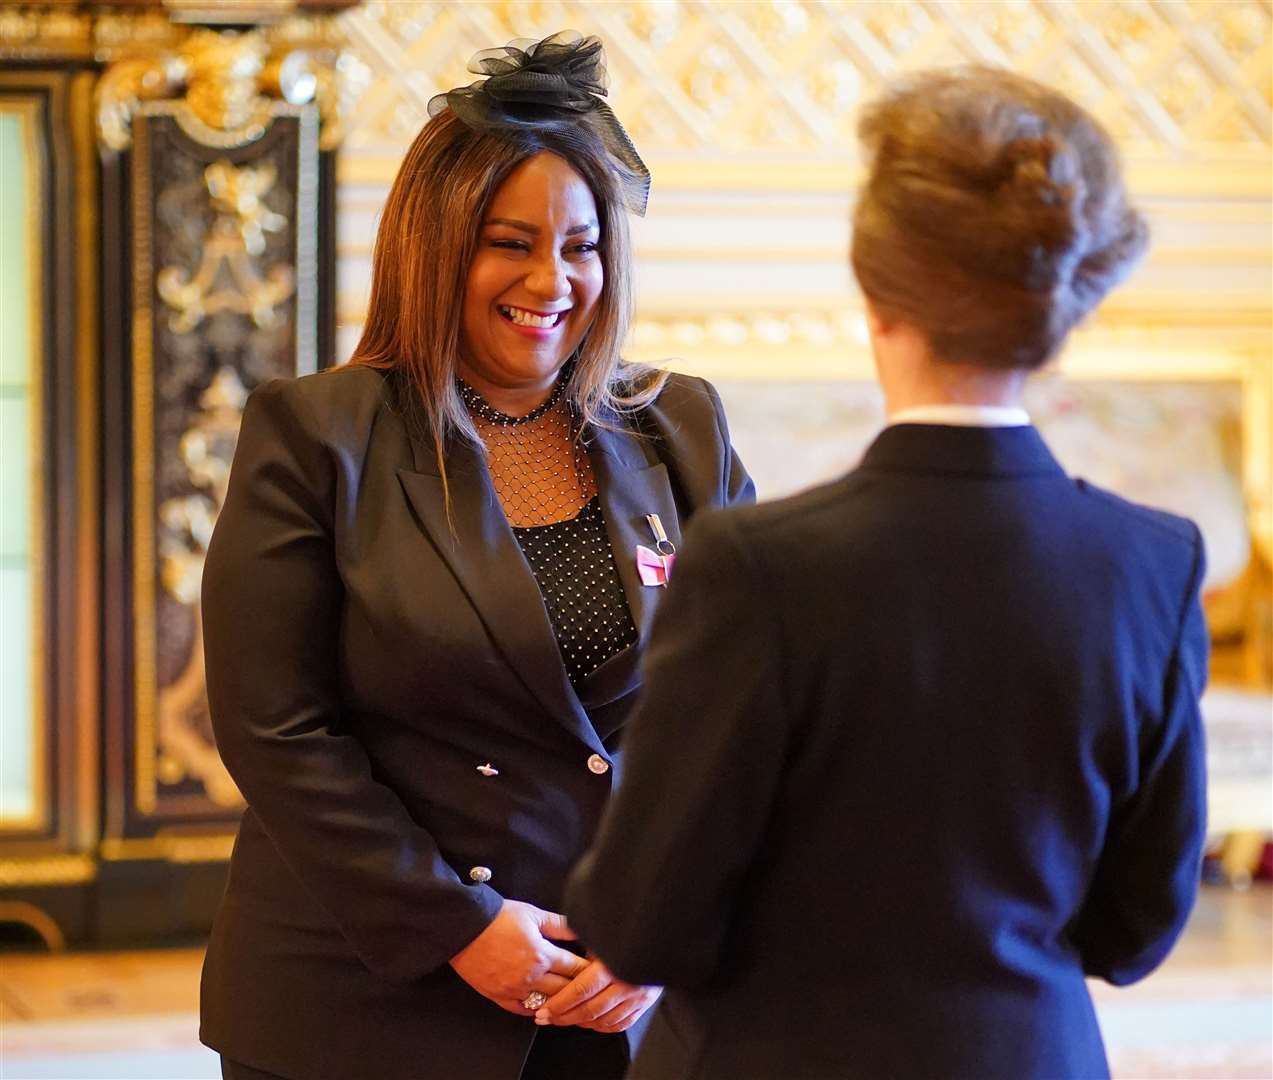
pixel 1173 76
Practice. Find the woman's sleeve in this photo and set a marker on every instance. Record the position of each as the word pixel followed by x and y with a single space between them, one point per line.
pixel 1147 878
pixel 735 482
pixel 271 611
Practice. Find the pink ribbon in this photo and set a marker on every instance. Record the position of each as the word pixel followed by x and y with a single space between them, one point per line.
pixel 653 568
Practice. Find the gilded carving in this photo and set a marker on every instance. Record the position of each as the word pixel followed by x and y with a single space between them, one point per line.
pixel 225 83
pixel 124 87
pixel 30 32
pixel 223 89
pixel 206 449
pixel 224 300
pixel 227 278
pixel 135 33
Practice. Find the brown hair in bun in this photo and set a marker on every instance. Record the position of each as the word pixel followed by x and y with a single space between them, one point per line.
pixel 993 217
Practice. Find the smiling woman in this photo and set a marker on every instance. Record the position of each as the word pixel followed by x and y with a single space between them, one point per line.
pixel 534 284
pixel 425 607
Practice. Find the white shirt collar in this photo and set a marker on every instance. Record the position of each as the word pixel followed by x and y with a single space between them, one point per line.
pixel 963 416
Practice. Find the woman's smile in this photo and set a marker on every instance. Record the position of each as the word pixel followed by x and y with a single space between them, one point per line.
pixel 532 322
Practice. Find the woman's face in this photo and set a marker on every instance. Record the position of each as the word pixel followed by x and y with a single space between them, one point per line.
pixel 534 285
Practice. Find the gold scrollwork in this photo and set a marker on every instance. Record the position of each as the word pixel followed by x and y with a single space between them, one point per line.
pixel 223 89
pixel 124 87
pixel 228 81
pixel 206 449
pixel 237 235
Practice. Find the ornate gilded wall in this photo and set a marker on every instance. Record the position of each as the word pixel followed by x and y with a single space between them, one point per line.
pixel 746 112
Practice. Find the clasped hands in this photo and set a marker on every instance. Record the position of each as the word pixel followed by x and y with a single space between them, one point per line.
pixel 515 956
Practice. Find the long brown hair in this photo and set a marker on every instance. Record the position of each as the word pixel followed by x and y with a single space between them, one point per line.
pixel 425 245
pixel 993 218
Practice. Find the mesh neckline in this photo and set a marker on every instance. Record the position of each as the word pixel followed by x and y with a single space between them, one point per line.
pixel 479 406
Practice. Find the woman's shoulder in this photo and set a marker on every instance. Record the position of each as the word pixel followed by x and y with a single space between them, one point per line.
pixel 686 424
pixel 335 406
pixel 683 401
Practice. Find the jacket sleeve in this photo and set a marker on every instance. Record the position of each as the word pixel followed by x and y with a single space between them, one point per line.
pixel 702 761
pixel 272 602
pixel 735 483
pixel 1147 878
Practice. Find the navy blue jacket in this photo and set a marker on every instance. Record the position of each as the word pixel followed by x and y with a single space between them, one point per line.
pixel 917 751
pixel 366 652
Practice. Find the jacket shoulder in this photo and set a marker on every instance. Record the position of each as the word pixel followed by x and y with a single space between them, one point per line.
pixel 336 407
pixel 1137 516
pixel 774 521
pixel 684 401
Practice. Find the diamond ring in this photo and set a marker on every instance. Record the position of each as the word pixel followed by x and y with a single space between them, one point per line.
pixel 535 1000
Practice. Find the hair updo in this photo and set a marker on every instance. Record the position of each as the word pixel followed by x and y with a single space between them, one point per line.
pixel 993 218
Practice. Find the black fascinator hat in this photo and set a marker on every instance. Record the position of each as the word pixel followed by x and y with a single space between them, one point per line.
pixel 551 85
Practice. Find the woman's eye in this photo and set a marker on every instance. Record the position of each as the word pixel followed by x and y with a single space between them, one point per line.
pixel 511 245
pixel 586 248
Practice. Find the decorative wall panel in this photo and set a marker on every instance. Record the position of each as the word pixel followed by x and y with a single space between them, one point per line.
pixel 215 183
pixel 173 249
pixel 224 279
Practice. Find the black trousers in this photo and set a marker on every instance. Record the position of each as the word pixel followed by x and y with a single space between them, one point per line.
pixel 557 1054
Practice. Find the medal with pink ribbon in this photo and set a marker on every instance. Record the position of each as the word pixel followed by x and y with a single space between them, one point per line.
pixel 654 566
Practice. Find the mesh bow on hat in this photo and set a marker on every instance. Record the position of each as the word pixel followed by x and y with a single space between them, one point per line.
pixel 555 85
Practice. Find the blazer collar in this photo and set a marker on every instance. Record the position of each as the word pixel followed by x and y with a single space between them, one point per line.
pixel 633 484
pixel 480 550
pixel 476 544
pixel 940 448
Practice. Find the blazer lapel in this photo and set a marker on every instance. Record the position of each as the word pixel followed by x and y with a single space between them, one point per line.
pixel 482 553
pixel 630 487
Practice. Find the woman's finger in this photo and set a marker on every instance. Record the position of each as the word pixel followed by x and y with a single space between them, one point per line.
pixel 562 961
pixel 553 925
pixel 598 1005
pixel 592 980
pixel 549 985
pixel 620 1018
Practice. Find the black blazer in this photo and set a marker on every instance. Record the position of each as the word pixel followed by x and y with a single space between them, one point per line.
pixel 364 656
pixel 917 751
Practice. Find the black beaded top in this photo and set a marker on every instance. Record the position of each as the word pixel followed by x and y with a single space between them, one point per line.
pixel 574 566
pixel 484 410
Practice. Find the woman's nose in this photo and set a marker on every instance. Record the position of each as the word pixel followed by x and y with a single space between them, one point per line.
pixel 547 278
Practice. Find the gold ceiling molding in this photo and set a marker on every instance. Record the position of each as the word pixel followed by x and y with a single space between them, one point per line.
pixel 732 78
pixel 229 12
pixel 228 81
pixel 31 32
